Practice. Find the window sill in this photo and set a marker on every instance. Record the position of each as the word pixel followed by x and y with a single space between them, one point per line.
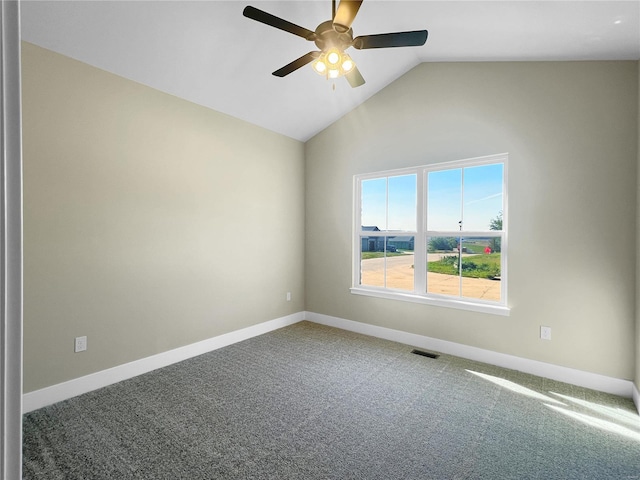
pixel 459 304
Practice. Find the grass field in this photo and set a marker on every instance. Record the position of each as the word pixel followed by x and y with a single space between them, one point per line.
pixel 369 255
pixel 474 266
pixel 475 247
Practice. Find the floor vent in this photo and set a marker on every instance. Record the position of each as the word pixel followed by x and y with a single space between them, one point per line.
pixel 425 354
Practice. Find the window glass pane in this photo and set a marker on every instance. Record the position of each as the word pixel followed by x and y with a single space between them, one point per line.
pixel 443 275
pixel 372 261
pixel 393 262
pixel 374 203
pixel 482 197
pixel 480 269
pixel 402 203
pixel 400 266
pixel 444 200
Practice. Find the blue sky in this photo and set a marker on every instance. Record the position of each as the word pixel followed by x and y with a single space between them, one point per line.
pixel 482 199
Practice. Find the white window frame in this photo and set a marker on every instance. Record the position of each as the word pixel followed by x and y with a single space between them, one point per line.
pixel 419 295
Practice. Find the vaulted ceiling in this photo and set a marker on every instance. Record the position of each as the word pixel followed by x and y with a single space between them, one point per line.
pixel 207 52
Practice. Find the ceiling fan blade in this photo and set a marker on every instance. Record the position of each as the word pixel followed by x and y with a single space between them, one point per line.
pixel 346 13
pixel 296 64
pixel 355 78
pixel 277 22
pixel 386 40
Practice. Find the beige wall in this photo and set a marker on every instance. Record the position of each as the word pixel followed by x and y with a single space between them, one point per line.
pixel 149 222
pixel 571 130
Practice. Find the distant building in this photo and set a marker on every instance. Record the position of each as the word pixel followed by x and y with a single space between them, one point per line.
pixel 376 243
pixel 401 243
pixel 372 244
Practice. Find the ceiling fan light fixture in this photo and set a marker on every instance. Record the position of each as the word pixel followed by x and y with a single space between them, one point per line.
pixel 347 64
pixel 333 57
pixel 320 67
pixel 333 64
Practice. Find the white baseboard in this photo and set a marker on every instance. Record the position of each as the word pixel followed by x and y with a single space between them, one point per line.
pixel 616 386
pixel 636 397
pixel 62 391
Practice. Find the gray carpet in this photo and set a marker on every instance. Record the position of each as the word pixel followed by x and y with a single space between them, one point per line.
pixel 312 402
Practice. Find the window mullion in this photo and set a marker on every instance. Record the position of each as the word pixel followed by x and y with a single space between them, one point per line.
pixel 420 242
pixel 357 234
pixel 460 234
pixel 503 265
pixel 386 229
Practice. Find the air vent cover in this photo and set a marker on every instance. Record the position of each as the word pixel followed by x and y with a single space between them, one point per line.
pixel 425 354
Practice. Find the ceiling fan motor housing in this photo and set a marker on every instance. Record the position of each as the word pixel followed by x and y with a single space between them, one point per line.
pixel 327 37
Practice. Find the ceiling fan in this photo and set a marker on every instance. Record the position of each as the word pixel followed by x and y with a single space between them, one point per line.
pixel 333 37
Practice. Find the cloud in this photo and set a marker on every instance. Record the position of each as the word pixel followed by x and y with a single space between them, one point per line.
pixel 484 198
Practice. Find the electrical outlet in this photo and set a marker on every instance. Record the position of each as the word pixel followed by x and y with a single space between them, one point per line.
pixel 288 296
pixel 81 344
pixel 545 333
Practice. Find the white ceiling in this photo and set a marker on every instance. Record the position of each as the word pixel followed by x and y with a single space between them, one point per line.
pixel 207 52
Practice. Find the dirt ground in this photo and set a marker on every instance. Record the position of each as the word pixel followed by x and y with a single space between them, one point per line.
pixel 400 275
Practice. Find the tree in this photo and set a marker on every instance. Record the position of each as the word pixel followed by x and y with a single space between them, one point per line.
pixel 439 244
pixel 495 224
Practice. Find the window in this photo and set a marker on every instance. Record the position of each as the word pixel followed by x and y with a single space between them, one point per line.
pixel 434 234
